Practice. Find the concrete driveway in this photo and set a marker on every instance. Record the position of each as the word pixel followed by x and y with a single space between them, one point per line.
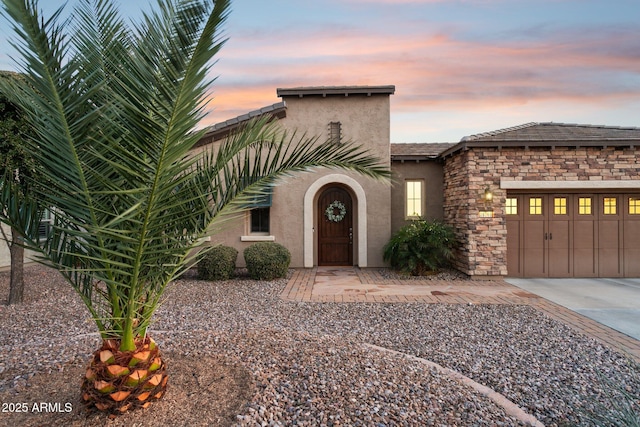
pixel 612 302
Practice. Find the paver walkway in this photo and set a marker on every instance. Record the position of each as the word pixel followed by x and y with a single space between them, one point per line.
pixel 345 285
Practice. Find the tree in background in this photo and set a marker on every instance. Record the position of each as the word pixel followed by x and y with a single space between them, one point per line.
pixel 115 110
pixel 17 173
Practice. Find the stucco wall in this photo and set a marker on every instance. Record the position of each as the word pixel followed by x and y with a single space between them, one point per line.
pixel 431 172
pixel 364 119
pixel 483 250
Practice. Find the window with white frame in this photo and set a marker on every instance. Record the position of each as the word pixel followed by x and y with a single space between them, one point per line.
pixel 414 198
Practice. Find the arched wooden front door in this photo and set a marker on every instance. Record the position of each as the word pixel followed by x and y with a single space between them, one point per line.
pixel 335 227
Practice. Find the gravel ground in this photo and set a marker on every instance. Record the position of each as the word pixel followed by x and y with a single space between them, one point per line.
pixel 444 274
pixel 305 363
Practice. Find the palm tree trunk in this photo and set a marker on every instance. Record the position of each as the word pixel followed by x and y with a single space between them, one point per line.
pixel 16 282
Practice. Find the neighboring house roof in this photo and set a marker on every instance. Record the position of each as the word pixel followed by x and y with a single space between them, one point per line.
pixel 222 129
pixel 419 151
pixel 551 134
pixel 336 90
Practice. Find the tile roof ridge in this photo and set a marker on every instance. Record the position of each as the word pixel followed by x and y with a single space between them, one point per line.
pixel 580 125
pixel 244 117
pixel 498 132
pixel 301 91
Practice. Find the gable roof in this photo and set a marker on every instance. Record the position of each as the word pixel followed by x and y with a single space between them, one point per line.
pixel 222 129
pixel 419 151
pixel 550 134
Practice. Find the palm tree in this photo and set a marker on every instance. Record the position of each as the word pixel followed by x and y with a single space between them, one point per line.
pixel 115 111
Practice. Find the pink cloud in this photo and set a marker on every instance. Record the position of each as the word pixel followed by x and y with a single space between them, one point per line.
pixel 430 70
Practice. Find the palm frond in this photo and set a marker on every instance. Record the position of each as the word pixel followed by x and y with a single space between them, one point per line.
pixel 116 112
pixel 260 152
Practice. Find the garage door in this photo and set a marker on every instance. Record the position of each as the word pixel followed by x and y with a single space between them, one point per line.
pixel 573 235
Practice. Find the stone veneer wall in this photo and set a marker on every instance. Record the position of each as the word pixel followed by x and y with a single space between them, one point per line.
pixel 483 249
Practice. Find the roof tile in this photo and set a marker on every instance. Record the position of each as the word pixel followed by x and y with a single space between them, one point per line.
pixel 560 132
pixel 419 150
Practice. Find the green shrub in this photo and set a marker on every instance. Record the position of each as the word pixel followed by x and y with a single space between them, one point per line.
pixel 420 247
pixel 219 263
pixel 267 260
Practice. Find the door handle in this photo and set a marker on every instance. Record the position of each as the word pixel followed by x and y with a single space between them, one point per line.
pixel 550 236
pixel 545 236
pixel 350 235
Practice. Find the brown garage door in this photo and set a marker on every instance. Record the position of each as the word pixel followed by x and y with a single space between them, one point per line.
pixel 573 235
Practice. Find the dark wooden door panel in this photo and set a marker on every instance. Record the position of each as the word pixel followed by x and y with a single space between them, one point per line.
pixel 335 231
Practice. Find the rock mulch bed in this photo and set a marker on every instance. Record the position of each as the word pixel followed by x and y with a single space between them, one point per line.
pixel 241 356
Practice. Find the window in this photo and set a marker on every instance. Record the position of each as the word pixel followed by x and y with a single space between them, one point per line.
pixel 335 132
pixel 260 213
pixel 511 207
pixel 584 206
pixel 414 198
pixel 260 220
pixel 634 206
pixel 610 206
pixel 535 206
pixel 45 224
pixel 560 205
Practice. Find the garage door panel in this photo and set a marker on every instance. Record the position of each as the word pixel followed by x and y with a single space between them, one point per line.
pixel 584 234
pixel 559 249
pixel 514 248
pixel 534 249
pixel 534 262
pixel 632 235
pixel 608 234
pixel 609 262
pixel 632 262
pixel 609 248
pixel 584 248
pixel 584 262
pixel 576 235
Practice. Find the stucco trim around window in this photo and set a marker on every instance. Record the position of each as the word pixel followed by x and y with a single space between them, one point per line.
pixel 569 185
pixel 360 201
pixel 257 238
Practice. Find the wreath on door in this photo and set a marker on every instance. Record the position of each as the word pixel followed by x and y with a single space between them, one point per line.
pixel 331 214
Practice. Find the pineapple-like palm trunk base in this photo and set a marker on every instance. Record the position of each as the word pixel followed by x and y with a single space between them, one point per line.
pixel 117 381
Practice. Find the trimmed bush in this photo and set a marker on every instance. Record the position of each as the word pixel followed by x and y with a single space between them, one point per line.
pixel 420 247
pixel 219 263
pixel 267 260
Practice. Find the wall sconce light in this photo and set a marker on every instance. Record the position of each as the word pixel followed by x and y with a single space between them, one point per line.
pixel 487 198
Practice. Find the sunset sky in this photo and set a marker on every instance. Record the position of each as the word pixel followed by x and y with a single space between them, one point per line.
pixel 460 67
